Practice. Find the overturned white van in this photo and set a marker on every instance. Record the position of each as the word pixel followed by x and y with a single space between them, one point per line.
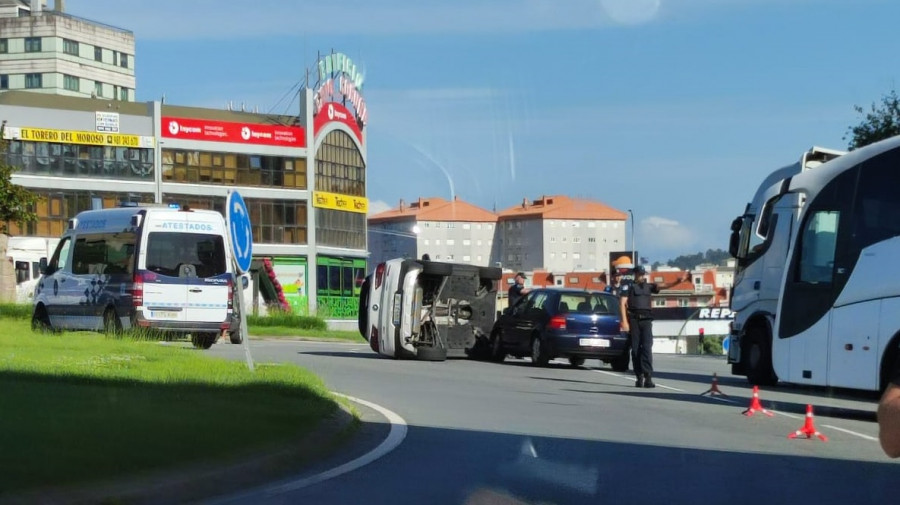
pixel 160 268
pixel 425 309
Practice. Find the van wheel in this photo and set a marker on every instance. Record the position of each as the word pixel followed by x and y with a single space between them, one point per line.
pixel 437 352
pixel 431 268
pixel 576 362
pixel 235 336
pixel 204 340
pixel 40 322
pixel 111 323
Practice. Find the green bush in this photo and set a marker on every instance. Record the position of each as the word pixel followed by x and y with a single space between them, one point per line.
pixel 287 320
pixel 15 310
pixel 712 345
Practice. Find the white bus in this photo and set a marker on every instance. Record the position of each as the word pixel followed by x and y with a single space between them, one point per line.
pixel 817 292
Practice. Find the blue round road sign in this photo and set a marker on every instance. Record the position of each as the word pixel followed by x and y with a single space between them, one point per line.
pixel 241 233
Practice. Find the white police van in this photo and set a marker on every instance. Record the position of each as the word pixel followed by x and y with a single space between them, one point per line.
pixel 159 268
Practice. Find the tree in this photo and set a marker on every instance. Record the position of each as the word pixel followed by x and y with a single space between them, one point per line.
pixel 882 122
pixel 17 204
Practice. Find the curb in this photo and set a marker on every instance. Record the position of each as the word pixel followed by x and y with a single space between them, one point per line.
pixel 204 480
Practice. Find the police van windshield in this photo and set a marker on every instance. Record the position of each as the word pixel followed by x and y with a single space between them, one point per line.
pixel 186 254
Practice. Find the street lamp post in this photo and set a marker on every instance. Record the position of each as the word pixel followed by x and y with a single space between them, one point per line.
pixel 633 248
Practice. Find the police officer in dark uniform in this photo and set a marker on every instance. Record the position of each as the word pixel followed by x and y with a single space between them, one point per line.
pixel 635 301
pixel 517 290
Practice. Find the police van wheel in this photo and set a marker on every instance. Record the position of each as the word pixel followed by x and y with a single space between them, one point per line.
pixel 204 340
pixel 40 322
pixel 111 323
pixel 235 336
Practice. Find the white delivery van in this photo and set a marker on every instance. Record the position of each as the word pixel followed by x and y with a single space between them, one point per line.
pixel 425 309
pixel 163 269
pixel 25 254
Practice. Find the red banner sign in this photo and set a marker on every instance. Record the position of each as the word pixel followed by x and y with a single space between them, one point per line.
pixel 333 111
pixel 225 131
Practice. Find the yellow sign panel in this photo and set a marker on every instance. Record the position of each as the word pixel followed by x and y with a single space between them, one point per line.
pixel 335 201
pixel 84 138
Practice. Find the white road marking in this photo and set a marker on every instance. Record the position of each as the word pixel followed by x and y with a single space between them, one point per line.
pixel 785 414
pixel 394 438
pixel 629 378
pixel 860 435
pixel 718 398
pixel 778 413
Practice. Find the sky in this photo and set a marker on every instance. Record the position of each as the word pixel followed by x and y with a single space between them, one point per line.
pixel 674 109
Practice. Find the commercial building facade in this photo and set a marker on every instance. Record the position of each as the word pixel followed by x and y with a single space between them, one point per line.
pixel 303 177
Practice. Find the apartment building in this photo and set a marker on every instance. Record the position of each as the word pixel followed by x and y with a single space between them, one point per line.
pixel 559 234
pixel 48 51
pixel 445 230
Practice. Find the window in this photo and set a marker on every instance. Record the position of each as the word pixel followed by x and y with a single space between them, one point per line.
pixel 4 45
pixel 70 47
pixel 34 81
pixel 98 89
pixel 60 258
pixel 683 302
pixel 98 53
pixel 817 247
pixel 71 83
pixel 466 226
pixel 169 252
pixel 450 241
pixel 592 239
pixel 115 58
pixel 4 81
pixel 659 302
pixel 32 44
pixel 123 94
pixel 104 254
pixel 467 242
pixel 123 62
pixel 467 258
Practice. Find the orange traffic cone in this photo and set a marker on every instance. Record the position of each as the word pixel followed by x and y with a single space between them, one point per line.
pixel 714 389
pixel 755 406
pixel 809 429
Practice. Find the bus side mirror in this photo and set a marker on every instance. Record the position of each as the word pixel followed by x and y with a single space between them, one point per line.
pixel 734 241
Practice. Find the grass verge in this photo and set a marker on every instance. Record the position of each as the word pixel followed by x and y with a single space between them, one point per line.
pixel 78 407
pixel 285 332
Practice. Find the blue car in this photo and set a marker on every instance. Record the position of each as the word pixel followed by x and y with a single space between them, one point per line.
pixel 562 323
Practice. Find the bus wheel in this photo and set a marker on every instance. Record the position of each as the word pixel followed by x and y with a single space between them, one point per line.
pixel 759 359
